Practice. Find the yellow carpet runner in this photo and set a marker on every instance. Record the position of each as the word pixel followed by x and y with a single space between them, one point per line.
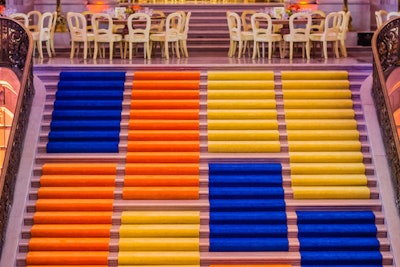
pixel 164 238
pixel 326 160
pixel 162 161
pixel 241 112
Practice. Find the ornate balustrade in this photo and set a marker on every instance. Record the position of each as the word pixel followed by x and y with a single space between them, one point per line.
pixel 386 66
pixel 16 48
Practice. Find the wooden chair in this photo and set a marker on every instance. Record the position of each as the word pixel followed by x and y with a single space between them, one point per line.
pixel 170 35
pixel 236 35
pixel 104 35
pixel 329 35
pixel 298 33
pixel 43 34
pixel 138 34
pixel 263 33
pixel 77 25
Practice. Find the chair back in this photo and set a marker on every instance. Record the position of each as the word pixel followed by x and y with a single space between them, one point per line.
pixel 34 17
pixel 53 24
pixel 88 16
pixel 77 26
pixel 102 27
pixel 332 26
pixel 173 25
pixel 158 26
pixel 234 25
pixel 319 25
pixel 185 24
pixel 45 26
pixel 142 31
pixel 246 18
pixel 393 14
pixel 300 31
pixel 344 25
pixel 22 18
pixel 261 29
pixel 380 17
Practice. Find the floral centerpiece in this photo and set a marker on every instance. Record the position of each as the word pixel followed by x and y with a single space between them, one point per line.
pixel 292 8
pixel 2 9
pixel 132 9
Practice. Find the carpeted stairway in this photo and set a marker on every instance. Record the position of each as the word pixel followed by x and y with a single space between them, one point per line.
pixel 284 179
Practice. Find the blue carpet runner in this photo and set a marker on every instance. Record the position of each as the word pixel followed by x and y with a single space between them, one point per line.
pixel 247 208
pixel 338 238
pixel 87 113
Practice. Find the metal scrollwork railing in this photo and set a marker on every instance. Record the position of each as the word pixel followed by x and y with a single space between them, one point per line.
pixel 386 53
pixel 16 48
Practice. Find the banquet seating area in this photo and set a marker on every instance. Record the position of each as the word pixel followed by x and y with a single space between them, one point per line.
pixel 128 34
pixel 310 29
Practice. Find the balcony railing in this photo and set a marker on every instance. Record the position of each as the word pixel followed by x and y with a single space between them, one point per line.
pixel 386 68
pixel 16 48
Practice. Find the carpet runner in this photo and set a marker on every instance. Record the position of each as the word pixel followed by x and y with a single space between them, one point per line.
pixel 338 238
pixel 73 215
pixel 159 238
pixel 86 216
pixel 87 113
pixel 247 208
pixel 241 112
pixel 326 160
pixel 163 155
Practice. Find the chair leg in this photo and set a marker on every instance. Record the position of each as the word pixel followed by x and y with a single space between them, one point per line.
pixel 48 48
pixel 71 54
pixel 166 52
pixel 96 48
pixel 40 49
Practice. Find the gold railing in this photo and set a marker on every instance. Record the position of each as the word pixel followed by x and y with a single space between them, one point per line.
pixel 16 48
pixel 386 58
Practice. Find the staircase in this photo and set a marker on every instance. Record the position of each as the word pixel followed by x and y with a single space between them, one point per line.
pixel 118 215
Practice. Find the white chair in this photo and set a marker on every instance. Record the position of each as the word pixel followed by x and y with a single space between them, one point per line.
pixel 246 19
pixel 236 35
pixel 329 35
pixel 380 17
pixel 183 35
pixel 170 35
pixel 88 16
pixel 52 33
pixel 299 33
pixel 22 18
pixel 103 34
pixel 393 14
pixel 138 34
pixel 319 17
pixel 34 20
pixel 263 33
pixel 344 28
pixel 158 25
pixel 43 34
pixel 77 25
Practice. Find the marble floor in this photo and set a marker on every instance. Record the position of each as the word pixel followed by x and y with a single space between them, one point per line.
pixel 356 56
